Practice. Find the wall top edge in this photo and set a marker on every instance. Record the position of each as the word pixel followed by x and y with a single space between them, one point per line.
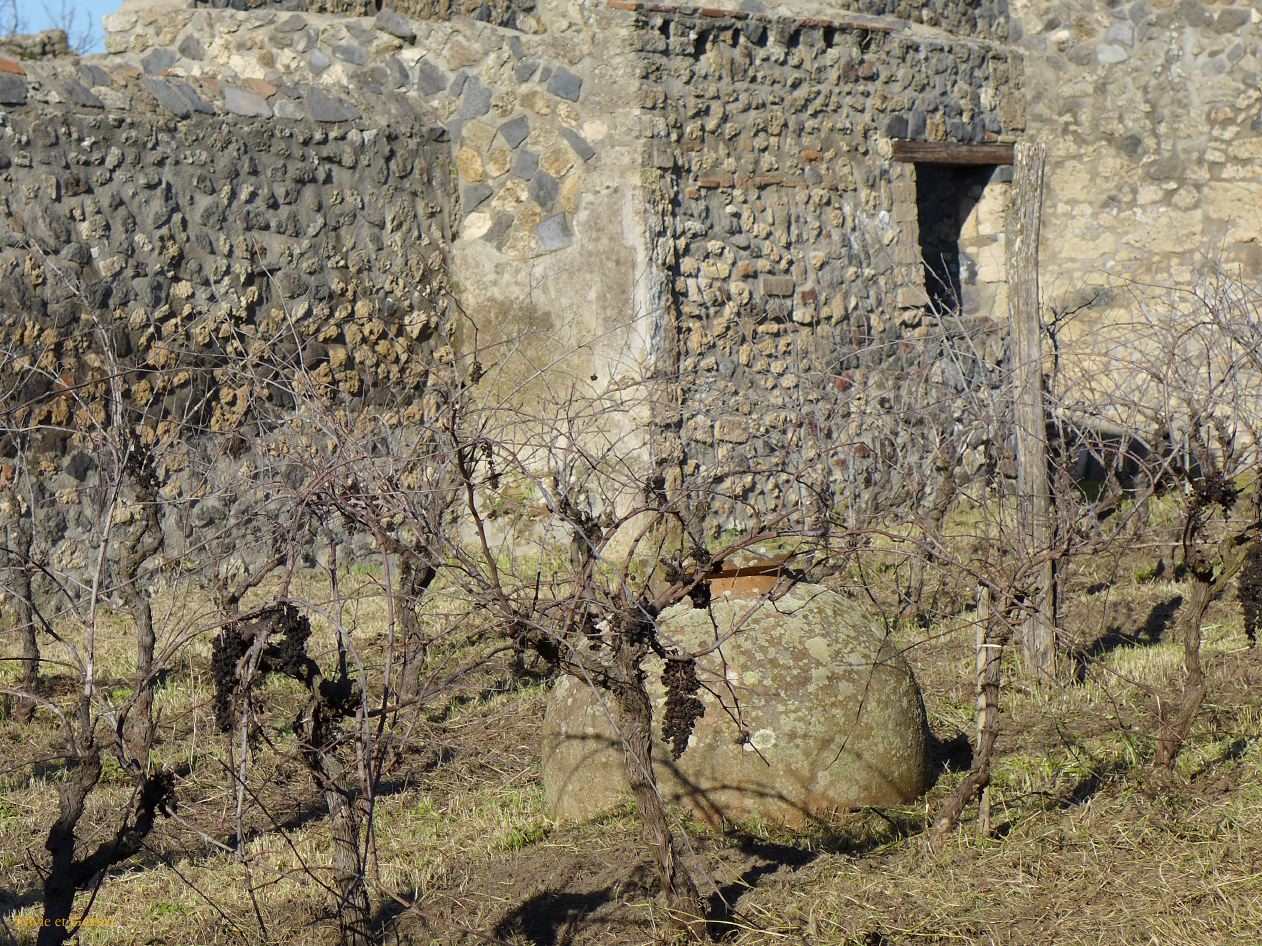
pixel 805 18
pixel 106 87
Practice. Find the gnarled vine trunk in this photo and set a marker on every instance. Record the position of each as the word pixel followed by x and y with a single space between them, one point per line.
pixel 634 718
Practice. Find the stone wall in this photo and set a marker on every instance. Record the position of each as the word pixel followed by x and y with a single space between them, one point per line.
pixel 514 14
pixel 705 199
pixel 794 251
pixel 549 253
pixel 1152 115
pixel 207 261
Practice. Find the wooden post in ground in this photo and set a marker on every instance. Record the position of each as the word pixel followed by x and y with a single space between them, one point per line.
pixel 987 674
pixel 1034 499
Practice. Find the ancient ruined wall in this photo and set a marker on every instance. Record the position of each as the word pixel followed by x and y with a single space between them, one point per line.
pixel 515 14
pixel 211 263
pixel 984 19
pixel 1152 116
pixel 549 254
pixel 701 198
pixel 794 239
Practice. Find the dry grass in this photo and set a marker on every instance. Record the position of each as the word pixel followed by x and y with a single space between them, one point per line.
pixel 1087 849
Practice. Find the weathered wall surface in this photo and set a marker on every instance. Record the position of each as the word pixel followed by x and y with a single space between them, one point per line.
pixel 793 240
pixel 706 197
pixel 515 14
pixel 549 255
pixel 211 264
pixel 1152 115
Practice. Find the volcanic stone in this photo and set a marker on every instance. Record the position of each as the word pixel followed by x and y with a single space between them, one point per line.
pixel 167 96
pixel 429 78
pixel 514 132
pixel 328 108
pixel 525 164
pixel 12 89
pixel 565 84
pixel 390 22
pixel 240 102
pixel 476 99
pixel 578 143
pixel 555 233
pixel 159 60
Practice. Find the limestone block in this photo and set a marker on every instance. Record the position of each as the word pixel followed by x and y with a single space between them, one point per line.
pixel 830 717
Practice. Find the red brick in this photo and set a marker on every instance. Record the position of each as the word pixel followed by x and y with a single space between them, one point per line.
pixel 261 87
pixel 8 65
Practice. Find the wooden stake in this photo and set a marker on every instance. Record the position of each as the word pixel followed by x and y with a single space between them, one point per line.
pixel 1034 499
pixel 984 707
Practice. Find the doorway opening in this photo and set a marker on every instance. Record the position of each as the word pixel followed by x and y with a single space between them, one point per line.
pixel 960 234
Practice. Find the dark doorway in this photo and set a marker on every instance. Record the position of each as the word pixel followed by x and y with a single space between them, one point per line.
pixel 945 197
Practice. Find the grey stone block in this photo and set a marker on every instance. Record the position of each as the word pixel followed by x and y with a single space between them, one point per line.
pixel 474 195
pixel 285 108
pixel 396 72
pixel 329 108
pixel 525 164
pixel 555 233
pixel 1121 32
pixel 1228 21
pixel 515 131
pixel 350 52
pixel 429 78
pixel 580 144
pixel 524 70
pixel 195 101
pixel 917 122
pixel 565 84
pixel 168 97
pixel 291 24
pixel 191 48
pixel 242 102
pixel 390 22
pixel 12 89
pixel 95 76
pixel 77 94
pixel 476 100
pixel 543 189
pixel 361 33
pixel 499 229
pixel 318 61
pixel 373 79
pixel 159 60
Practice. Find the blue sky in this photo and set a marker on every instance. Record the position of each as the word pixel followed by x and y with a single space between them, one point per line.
pixel 43 14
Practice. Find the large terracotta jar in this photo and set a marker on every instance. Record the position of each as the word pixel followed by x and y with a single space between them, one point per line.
pixel 810 710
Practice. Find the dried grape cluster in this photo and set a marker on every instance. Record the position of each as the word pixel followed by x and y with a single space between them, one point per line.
pixel 683 709
pixel 225 657
pixel 287 656
pixel 1249 591
pixel 1214 489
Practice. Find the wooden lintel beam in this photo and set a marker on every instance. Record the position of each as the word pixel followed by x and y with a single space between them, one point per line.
pixel 945 152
